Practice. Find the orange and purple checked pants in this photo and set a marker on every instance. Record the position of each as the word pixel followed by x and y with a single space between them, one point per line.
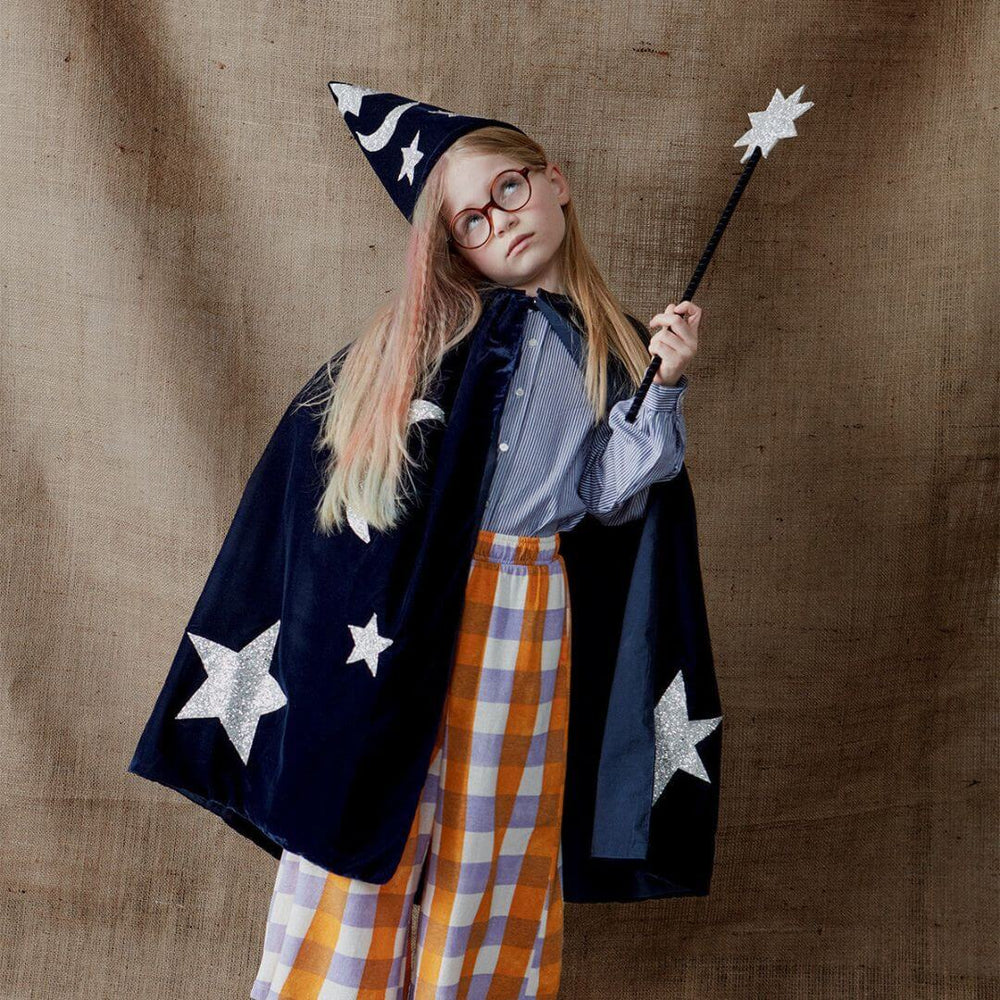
pixel 485 840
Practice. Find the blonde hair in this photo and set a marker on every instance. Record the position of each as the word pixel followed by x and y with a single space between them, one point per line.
pixel 365 422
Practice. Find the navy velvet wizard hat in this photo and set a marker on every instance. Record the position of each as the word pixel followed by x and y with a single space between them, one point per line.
pixel 402 139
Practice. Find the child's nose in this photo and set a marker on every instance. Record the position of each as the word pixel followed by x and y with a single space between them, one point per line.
pixel 501 220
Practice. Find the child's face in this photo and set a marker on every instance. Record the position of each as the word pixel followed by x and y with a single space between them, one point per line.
pixel 467 183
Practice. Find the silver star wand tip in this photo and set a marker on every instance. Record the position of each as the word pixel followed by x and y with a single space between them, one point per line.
pixel 774 123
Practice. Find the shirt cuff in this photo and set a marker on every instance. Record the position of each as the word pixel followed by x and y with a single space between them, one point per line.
pixel 665 398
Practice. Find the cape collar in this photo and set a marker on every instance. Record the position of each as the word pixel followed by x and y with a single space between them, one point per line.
pixel 560 310
pixel 564 303
pixel 565 318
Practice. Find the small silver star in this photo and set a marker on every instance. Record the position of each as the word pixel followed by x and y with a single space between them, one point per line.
pixel 368 643
pixel 349 97
pixel 411 157
pixel 777 122
pixel 677 737
pixel 239 688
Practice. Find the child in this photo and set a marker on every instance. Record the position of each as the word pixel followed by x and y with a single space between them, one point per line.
pixel 466 814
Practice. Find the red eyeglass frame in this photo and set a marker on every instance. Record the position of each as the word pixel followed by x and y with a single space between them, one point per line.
pixel 524 171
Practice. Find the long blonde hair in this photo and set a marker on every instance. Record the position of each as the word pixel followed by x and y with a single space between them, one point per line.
pixel 367 396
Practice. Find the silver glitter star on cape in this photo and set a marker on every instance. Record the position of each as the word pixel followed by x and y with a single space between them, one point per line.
pixel 239 688
pixel 776 122
pixel 368 643
pixel 677 737
pixel 420 409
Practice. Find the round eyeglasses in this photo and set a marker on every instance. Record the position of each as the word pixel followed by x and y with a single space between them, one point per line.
pixel 510 190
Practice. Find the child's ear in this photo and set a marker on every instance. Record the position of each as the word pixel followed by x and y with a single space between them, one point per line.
pixel 562 185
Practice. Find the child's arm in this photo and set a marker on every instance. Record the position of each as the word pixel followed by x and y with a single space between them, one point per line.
pixel 624 459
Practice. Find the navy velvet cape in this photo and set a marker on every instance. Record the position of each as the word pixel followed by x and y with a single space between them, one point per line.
pixel 335 774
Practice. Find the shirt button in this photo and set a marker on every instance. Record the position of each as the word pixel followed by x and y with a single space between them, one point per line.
pixel 504 446
pixel 518 391
pixel 533 342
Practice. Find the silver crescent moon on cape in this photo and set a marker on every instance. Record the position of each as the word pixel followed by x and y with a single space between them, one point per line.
pixel 420 409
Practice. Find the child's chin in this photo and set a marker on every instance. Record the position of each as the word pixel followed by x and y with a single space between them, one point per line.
pixel 528 257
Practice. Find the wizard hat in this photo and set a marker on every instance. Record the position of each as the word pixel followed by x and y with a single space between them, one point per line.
pixel 402 138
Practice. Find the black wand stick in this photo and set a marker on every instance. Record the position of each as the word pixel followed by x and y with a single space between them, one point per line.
pixel 776 122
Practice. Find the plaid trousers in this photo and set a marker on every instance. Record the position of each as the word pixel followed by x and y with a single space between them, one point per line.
pixel 483 855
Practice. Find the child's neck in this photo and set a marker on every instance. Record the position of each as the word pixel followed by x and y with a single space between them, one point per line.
pixel 533 290
pixel 549 277
pixel 550 283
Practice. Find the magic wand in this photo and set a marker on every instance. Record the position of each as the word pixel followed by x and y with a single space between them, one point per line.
pixel 776 122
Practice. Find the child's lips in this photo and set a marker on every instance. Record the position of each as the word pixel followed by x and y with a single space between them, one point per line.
pixel 521 240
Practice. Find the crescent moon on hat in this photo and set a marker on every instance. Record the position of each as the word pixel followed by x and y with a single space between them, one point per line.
pixel 379 139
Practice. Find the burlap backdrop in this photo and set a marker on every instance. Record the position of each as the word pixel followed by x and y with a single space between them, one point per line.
pixel 188 230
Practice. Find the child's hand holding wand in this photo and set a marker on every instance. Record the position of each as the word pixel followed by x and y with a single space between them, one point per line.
pixel 677 342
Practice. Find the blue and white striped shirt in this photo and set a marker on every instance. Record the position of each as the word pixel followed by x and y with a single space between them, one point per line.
pixel 554 465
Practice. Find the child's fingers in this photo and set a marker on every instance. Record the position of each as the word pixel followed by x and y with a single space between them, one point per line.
pixel 691 313
pixel 683 320
pixel 685 308
pixel 665 315
pixel 667 343
pixel 675 323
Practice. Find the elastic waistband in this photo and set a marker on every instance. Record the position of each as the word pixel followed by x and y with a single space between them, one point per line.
pixel 498 547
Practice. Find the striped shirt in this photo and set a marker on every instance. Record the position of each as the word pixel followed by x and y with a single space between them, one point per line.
pixel 555 465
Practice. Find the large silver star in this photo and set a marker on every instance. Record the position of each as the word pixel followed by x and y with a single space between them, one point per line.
pixel 368 643
pixel 349 97
pixel 239 688
pixel 411 157
pixel 677 737
pixel 776 122
pixel 420 409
